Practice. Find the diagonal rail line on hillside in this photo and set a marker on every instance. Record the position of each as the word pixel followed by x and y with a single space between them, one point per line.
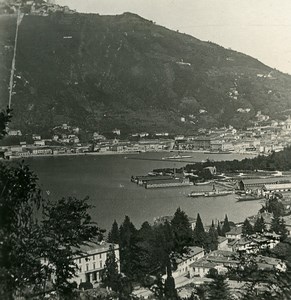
pixel 19 19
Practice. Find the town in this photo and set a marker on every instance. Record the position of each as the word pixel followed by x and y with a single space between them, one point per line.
pixel 262 138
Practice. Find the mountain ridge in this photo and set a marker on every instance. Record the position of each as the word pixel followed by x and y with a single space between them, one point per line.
pixel 101 72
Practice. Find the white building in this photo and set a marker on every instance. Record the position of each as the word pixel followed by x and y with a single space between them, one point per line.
pixel 184 262
pixel 92 262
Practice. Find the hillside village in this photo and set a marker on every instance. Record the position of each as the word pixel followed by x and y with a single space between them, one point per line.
pixel 33 7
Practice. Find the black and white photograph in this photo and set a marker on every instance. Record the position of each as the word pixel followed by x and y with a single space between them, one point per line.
pixel 145 150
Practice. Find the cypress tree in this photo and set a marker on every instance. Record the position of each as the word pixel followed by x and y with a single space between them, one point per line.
pixel 110 275
pixel 219 231
pixel 182 231
pixel 247 228
pixel 170 290
pixel 113 235
pixel 212 243
pixel 226 226
pixel 199 236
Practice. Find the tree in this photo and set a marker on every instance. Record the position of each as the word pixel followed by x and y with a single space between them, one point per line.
pixel 113 235
pixel 219 231
pixel 5 118
pixel 128 248
pixel 170 290
pixel 247 228
pixel 199 235
pixel 111 276
pixel 66 226
pixel 218 289
pixel 182 231
pixel 226 226
pixel 260 225
pixel 212 239
pixel 33 229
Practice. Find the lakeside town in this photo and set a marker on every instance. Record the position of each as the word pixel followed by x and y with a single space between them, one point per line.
pixel 264 137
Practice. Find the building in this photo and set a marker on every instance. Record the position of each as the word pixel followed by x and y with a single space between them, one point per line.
pixel 92 262
pixel 184 262
pixel 235 233
pixel 278 187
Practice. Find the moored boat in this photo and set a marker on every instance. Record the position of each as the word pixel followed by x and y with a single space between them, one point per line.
pixel 217 193
pixel 196 194
pixel 249 197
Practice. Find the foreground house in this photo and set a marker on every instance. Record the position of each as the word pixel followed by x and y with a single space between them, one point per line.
pixel 184 262
pixel 92 262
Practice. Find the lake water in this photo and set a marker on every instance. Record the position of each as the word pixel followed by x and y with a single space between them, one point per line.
pixel 106 180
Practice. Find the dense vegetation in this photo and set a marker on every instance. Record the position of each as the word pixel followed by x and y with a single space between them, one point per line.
pixel 276 161
pixel 101 72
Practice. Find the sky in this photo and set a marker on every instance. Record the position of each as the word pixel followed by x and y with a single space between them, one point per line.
pixel 260 28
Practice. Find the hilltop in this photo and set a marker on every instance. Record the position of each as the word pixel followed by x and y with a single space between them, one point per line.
pixel 101 72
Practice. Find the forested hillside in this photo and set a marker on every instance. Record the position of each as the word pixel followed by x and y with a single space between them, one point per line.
pixel 101 72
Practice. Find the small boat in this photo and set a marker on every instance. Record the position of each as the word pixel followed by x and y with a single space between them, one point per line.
pixel 203 183
pixel 196 194
pixel 217 193
pixel 177 157
pixel 249 197
pixel 219 152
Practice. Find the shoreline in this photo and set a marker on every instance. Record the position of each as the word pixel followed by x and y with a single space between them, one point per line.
pixel 121 153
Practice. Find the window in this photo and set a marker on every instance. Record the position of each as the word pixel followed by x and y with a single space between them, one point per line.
pixel 93 257
pixel 80 260
pixel 94 266
pixel 80 268
pixel 95 276
pixel 87 267
pixel 100 255
pixel 100 264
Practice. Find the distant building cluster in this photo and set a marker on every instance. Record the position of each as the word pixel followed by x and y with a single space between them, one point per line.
pixel 42 8
pixel 65 139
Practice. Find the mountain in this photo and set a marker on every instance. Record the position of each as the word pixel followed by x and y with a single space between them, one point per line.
pixel 101 72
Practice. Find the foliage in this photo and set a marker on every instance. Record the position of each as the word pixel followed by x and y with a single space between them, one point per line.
pixel 113 235
pixel 278 226
pixel 225 226
pixel 212 238
pixel 110 276
pixel 5 118
pixel 247 228
pixel 33 229
pixel 182 232
pixel 260 225
pixel 218 289
pixel 275 161
pixel 199 235
pixel 219 230
pixel 169 289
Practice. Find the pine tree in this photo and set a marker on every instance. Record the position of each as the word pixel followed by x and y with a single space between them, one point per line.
pixel 182 231
pixel 260 225
pixel 113 235
pixel 226 226
pixel 218 289
pixel 247 228
pixel 128 248
pixel 111 276
pixel 199 235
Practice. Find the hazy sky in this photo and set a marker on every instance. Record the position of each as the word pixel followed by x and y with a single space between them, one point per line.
pixel 260 28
